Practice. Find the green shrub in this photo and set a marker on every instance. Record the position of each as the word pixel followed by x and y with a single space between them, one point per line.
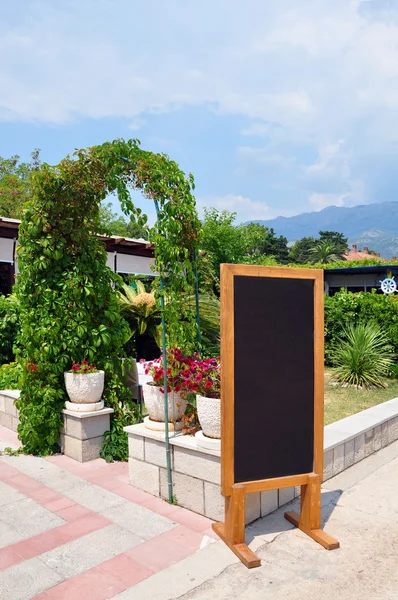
pixel 363 356
pixel 9 323
pixel 362 307
pixel 10 376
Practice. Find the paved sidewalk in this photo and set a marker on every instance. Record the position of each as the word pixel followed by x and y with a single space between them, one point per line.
pixel 76 531
pixel 72 531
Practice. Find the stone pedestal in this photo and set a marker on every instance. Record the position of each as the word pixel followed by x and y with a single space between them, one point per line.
pixel 83 433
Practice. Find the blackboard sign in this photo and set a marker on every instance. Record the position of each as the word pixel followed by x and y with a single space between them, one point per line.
pixel 272 384
pixel 274 377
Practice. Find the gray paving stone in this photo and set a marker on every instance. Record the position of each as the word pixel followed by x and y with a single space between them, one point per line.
pixel 369 442
pixel 269 502
pixel 93 497
pixel 338 459
pixel 359 452
pixel 377 439
pixel 214 501
pixel 203 466
pixel 136 447
pixel 27 579
pixel 285 495
pixel 9 494
pixel 9 535
pixel 139 520
pixel 252 507
pixel 90 550
pixel 28 518
pixel 328 465
pixel 384 435
pixel 349 452
pixel 189 491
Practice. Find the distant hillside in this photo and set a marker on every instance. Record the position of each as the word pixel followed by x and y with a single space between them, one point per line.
pixel 371 225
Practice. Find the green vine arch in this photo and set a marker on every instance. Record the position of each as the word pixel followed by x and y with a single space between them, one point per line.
pixel 69 310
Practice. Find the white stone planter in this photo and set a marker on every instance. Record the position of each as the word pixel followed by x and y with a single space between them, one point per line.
pixel 154 402
pixel 84 388
pixel 209 414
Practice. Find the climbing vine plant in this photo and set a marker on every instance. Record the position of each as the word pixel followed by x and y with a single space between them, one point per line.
pixel 68 307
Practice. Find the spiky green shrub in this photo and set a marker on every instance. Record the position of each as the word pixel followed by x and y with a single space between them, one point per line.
pixel 363 356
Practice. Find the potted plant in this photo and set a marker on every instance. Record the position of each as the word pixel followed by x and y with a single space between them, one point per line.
pixel 154 390
pixel 84 384
pixel 203 379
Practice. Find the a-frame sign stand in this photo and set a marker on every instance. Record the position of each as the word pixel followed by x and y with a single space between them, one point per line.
pixel 308 283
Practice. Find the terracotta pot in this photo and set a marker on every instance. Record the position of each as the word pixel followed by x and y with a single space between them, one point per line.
pixel 209 414
pixel 154 402
pixel 84 388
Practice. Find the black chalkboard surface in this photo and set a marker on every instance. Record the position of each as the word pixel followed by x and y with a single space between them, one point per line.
pixel 274 377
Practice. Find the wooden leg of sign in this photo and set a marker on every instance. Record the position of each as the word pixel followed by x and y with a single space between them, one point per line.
pixel 309 520
pixel 232 532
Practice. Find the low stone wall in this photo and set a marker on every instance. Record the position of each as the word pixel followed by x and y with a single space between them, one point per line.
pixel 9 414
pixel 196 472
pixel 81 436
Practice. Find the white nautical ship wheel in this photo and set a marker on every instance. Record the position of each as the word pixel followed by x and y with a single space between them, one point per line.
pixel 388 285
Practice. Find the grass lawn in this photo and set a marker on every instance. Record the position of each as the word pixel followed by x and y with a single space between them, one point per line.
pixel 343 402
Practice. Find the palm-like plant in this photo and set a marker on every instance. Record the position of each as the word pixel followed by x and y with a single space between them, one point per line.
pixel 324 252
pixel 141 311
pixel 363 356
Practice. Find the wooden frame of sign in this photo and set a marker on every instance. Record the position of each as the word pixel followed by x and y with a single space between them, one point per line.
pixel 272 413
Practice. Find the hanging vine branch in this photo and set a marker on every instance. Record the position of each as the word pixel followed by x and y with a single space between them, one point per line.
pixel 69 309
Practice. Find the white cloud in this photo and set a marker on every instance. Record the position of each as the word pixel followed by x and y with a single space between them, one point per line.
pixel 245 208
pixel 136 124
pixel 314 69
pixel 320 201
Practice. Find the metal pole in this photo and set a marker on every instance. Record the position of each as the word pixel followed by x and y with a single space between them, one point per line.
pixel 166 403
pixel 195 258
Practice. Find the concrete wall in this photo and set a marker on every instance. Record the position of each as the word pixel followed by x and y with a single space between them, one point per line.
pixel 9 414
pixel 196 472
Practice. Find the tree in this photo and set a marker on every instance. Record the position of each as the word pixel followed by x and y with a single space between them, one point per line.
pixel 301 251
pixel 220 238
pixel 260 240
pixel 325 252
pixel 112 224
pixel 339 242
pixel 15 183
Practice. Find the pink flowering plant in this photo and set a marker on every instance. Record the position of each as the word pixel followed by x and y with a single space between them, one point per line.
pixel 83 368
pixel 202 378
pixel 186 374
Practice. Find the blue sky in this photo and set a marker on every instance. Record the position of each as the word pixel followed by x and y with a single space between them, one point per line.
pixel 276 107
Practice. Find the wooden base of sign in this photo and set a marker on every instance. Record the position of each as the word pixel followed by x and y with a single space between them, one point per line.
pixel 232 532
pixel 309 520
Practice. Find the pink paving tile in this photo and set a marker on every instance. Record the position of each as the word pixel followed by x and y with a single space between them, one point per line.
pixel 109 482
pixel 9 557
pixel 160 507
pixel 43 542
pixel 131 493
pixel 191 520
pixel 6 471
pixel 24 484
pixel 73 512
pixel 58 504
pixel 125 569
pixel 159 553
pixel 184 537
pixel 84 525
pixel 93 584
pixel 44 495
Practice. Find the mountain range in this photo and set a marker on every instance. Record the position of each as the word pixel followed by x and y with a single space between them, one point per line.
pixel 371 225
